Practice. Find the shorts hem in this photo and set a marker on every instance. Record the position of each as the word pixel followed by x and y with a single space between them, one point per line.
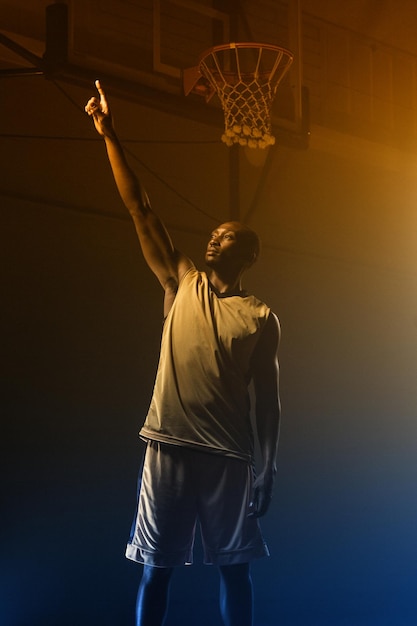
pixel 155 559
pixel 237 556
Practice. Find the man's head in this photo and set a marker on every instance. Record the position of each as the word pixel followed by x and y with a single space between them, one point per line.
pixel 232 245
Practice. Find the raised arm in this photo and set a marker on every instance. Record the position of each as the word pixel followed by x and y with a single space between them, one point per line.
pixel 268 412
pixel 163 259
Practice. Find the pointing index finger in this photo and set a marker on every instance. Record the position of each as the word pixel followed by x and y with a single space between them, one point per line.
pixel 103 99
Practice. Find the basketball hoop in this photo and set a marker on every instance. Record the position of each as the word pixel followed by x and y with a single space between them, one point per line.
pixel 245 76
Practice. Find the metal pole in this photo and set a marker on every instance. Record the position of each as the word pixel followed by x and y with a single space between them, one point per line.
pixel 234 183
pixel 234 154
pixel 296 70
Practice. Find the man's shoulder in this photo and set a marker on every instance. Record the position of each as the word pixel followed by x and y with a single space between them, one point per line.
pixel 272 328
pixel 257 303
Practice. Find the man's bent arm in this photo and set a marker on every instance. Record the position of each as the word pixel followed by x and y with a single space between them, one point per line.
pixel 268 411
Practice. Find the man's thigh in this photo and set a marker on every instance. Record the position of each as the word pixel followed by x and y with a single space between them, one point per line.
pixel 230 536
pixel 167 509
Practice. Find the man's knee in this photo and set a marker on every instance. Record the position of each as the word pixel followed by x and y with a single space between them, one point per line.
pixel 156 575
pixel 235 574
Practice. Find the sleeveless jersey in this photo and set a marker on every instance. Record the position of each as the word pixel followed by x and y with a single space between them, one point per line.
pixel 201 397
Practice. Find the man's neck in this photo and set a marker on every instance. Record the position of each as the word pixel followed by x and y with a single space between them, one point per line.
pixel 226 285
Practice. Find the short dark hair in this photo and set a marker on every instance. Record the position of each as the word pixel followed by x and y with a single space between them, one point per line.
pixel 251 239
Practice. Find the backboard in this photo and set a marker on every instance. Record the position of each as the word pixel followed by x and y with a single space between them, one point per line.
pixel 149 43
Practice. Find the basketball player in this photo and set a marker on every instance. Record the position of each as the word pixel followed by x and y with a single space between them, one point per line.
pixel 198 464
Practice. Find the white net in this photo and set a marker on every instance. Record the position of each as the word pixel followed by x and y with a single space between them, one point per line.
pixel 245 78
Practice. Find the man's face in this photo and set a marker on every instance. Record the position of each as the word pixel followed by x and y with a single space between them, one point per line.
pixel 227 246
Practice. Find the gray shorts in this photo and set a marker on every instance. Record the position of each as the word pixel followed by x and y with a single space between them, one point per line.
pixel 182 485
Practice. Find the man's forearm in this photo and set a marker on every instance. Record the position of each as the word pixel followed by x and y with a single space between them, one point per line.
pixel 268 429
pixel 133 195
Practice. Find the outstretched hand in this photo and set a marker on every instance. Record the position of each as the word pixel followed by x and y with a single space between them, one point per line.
pixel 99 110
